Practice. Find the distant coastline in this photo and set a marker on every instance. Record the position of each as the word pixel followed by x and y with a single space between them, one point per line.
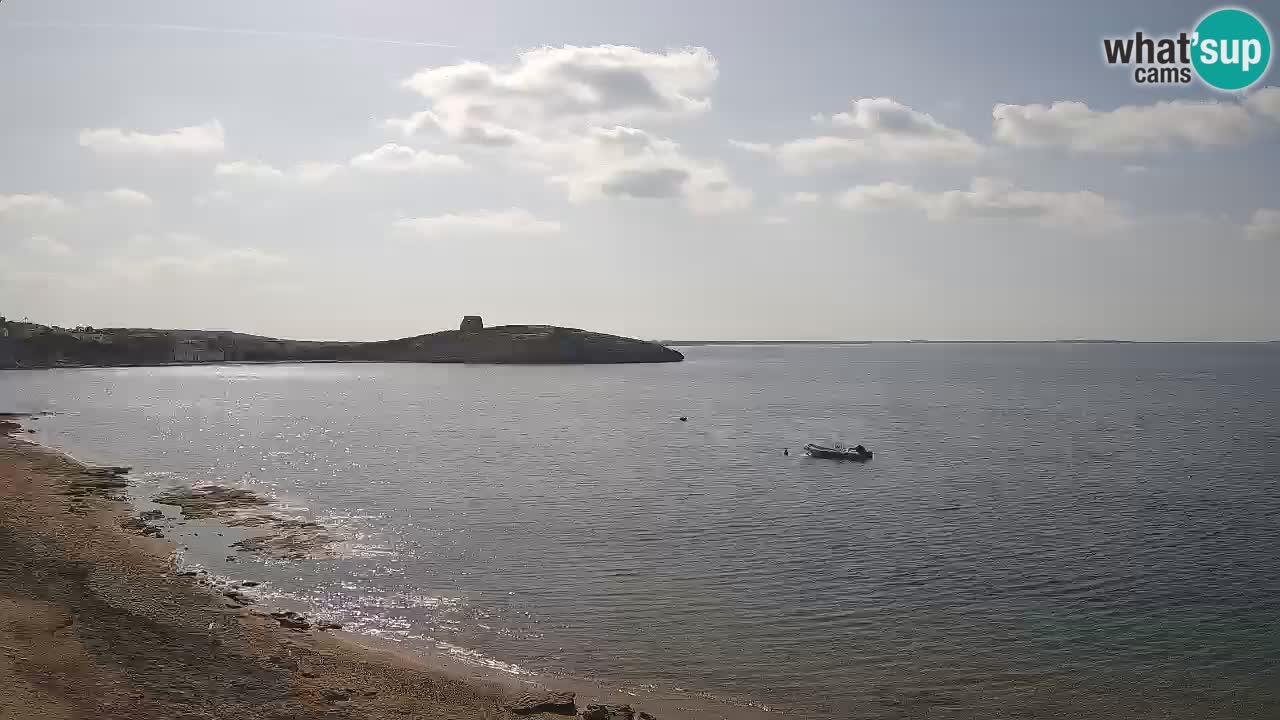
pixel 696 343
pixel 35 346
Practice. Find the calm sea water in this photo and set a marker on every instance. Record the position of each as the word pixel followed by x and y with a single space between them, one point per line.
pixel 1045 531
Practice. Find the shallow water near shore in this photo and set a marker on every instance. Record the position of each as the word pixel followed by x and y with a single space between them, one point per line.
pixel 1090 530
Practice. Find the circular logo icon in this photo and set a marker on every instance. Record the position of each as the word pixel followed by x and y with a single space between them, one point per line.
pixel 1232 49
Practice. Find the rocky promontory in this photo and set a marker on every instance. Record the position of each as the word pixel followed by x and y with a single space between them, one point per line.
pixel 530 344
pixel 29 345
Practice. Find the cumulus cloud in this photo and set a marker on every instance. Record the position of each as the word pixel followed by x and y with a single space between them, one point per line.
pixel 561 112
pixel 1264 226
pixel 555 87
pixel 987 198
pixel 31 204
pixel 393 158
pixel 624 162
pixel 873 130
pixel 512 221
pixel 1266 102
pixel 882 196
pixel 1159 127
pixel 45 245
pixel 248 169
pixel 206 139
pixel 128 197
pixel 477 132
pixel 389 158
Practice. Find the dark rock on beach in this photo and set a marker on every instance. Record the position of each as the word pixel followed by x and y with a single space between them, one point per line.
pixel 307 544
pixel 210 500
pixel 142 524
pixel 544 701
pixel 291 620
pixel 610 712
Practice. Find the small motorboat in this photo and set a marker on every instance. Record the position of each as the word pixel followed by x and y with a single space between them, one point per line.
pixel 838 452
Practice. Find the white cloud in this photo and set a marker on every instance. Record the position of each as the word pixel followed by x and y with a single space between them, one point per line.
pixel 395 158
pixel 415 124
pixel 775 220
pixel 512 221
pixel 803 198
pixel 874 130
pixel 551 87
pixel 559 112
pixel 1264 226
pixel 623 162
pixel 206 139
pixel 1136 169
pixel 882 196
pixel 389 158
pixel 45 245
pixel 248 169
pixel 475 132
pixel 37 203
pixel 1266 102
pixel 885 115
pixel 1160 127
pixel 811 155
pixel 305 173
pixel 128 197
pixel 988 198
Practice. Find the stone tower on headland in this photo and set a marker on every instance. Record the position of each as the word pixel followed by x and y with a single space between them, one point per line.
pixel 471 323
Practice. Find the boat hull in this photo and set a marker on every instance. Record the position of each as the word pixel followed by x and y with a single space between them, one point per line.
pixel 819 451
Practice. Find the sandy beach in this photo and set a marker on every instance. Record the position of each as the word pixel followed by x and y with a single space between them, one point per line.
pixel 94 623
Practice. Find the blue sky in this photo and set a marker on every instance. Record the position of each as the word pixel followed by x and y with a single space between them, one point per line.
pixel 677 170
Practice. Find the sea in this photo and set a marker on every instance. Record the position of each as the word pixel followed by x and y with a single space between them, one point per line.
pixel 1084 530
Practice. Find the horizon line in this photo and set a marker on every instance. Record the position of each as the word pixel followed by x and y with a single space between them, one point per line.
pixel 925 341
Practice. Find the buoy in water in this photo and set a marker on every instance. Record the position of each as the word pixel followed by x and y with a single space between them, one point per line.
pixel 785 452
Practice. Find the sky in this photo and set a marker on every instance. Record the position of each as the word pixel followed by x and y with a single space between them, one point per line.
pixel 320 169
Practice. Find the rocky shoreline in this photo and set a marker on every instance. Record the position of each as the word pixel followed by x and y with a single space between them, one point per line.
pixel 98 620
